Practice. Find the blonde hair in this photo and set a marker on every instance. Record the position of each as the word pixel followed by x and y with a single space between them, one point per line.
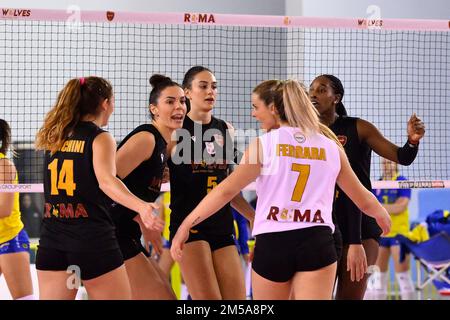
pixel 78 98
pixel 293 106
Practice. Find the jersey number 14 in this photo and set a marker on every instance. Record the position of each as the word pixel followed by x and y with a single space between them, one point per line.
pixel 63 180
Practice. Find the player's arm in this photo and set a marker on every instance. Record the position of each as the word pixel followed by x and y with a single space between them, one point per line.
pixel 362 197
pixel 136 150
pixel 104 155
pixel 244 208
pixel 400 205
pixel 247 171
pixel 7 175
pixel 404 155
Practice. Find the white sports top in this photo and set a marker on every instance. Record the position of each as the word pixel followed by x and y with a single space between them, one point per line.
pixel 296 187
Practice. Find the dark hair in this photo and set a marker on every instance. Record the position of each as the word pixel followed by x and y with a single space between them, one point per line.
pixel 190 75
pixel 79 97
pixel 5 136
pixel 338 88
pixel 159 83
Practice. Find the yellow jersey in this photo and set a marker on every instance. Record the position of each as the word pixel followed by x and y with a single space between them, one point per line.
pixel 11 226
pixel 167 211
pixel 400 221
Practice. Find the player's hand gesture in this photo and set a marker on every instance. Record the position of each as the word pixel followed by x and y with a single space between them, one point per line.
pixel 416 129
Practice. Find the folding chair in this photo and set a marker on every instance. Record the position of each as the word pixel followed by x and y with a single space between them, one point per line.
pixel 433 255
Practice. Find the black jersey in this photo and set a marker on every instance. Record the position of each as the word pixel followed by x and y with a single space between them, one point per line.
pixel 353 224
pixel 144 182
pixel 211 152
pixel 76 217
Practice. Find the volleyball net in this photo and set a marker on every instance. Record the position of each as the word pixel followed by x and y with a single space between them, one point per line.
pixel 389 69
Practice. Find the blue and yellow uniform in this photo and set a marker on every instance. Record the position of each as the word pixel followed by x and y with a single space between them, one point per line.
pixel 13 237
pixel 167 211
pixel 400 221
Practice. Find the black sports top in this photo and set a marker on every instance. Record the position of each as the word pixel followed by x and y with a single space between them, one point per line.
pixel 144 182
pixel 193 175
pixel 354 225
pixel 76 218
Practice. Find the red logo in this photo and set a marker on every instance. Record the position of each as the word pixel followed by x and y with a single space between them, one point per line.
pixel 342 139
pixel 199 18
pixel 110 15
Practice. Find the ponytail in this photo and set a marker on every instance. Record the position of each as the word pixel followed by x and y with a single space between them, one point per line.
pixel 299 110
pixel 78 98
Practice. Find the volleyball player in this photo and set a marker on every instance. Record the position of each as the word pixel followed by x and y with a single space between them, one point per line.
pixel 396 203
pixel 14 243
pixel 360 234
pixel 80 172
pixel 296 168
pixel 141 159
pixel 211 268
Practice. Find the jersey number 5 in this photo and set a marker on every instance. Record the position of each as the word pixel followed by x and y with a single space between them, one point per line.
pixel 303 175
pixel 211 183
pixel 63 181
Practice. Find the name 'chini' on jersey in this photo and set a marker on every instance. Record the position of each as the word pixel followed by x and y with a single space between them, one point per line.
pixel 296 187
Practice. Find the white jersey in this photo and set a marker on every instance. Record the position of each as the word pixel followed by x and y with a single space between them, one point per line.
pixel 296 187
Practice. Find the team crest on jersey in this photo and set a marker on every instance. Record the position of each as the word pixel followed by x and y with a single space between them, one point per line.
pixel 342 139
pixel 162 157
pixel 193 138
pixel 218 138
pixel 210 148
pixel 300 138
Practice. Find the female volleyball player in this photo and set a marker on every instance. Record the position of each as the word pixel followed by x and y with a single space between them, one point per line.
pixel 80 171
pixel 396 203
pixel 141 159
pixel 360 233
pixel 211 267
pixel 296 168
pixel 14 243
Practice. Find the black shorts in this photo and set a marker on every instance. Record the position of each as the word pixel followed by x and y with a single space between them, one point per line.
pixel 279 255
pixel 90 264
pixel 337 236
pixel 131 247
pixel 215 241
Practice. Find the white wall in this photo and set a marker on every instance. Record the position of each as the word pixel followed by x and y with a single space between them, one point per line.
pixel 398 9
pixel 266 7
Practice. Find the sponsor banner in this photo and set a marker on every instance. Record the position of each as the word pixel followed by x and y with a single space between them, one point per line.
pixel 199 18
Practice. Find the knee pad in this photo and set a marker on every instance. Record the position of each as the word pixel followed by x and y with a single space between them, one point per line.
pixel 407 291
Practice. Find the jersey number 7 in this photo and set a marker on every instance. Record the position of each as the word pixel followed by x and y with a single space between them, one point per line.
pixel 303 175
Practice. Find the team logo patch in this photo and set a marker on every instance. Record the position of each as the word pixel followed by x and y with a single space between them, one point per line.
pixel 210 148
pixel 218 138
pixel 110 15
pixel 162 157
pixel 342 139
pixel 193 138
pixel 300 138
